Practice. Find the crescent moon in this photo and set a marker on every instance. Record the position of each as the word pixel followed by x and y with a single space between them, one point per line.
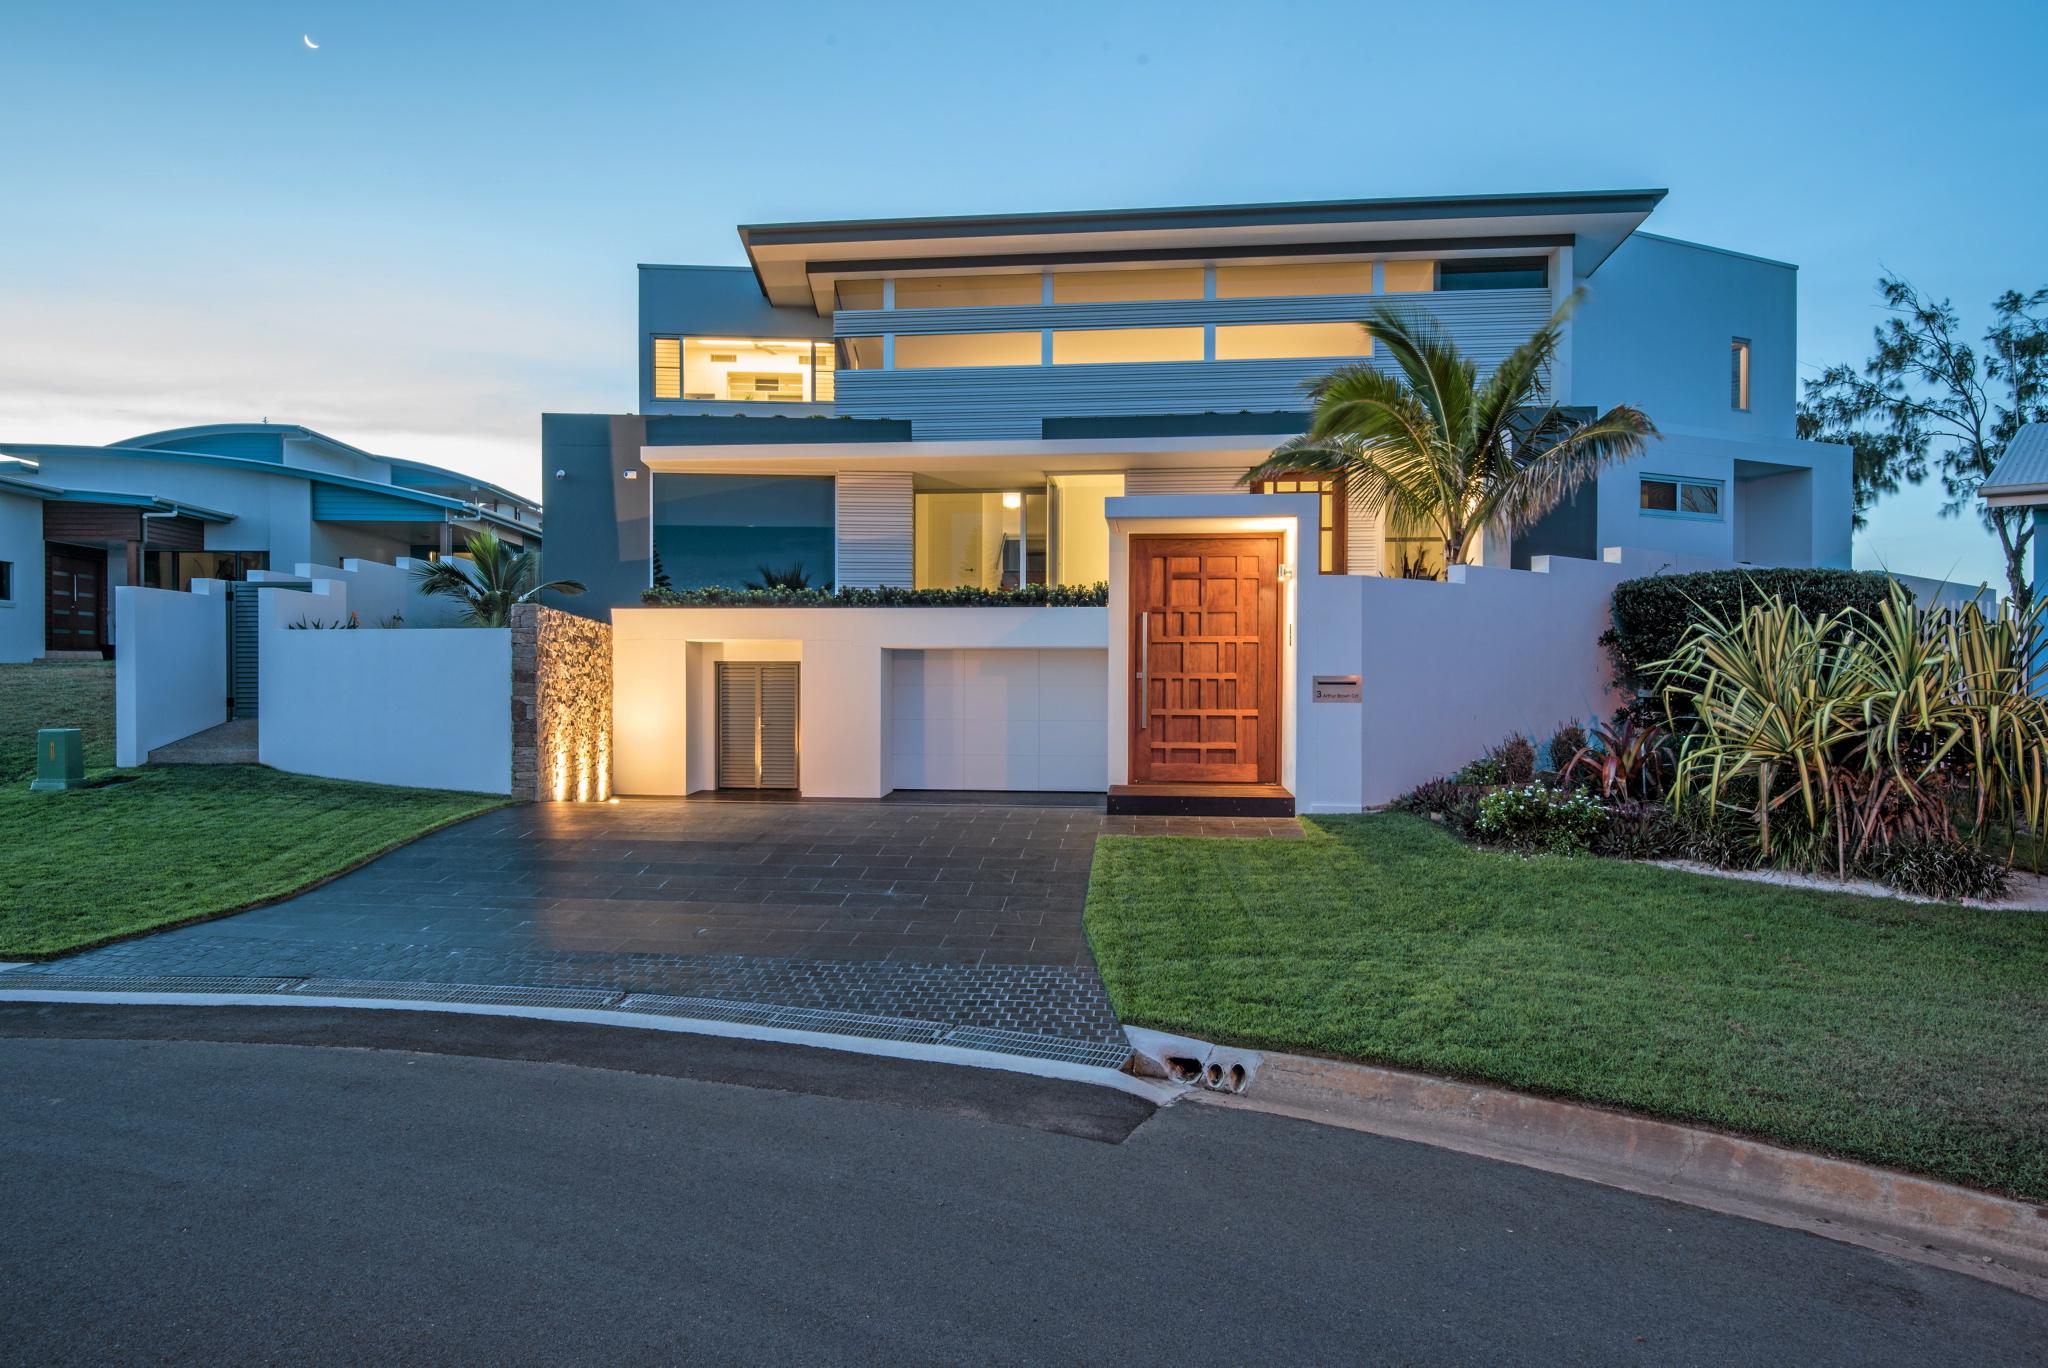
pixel 308 41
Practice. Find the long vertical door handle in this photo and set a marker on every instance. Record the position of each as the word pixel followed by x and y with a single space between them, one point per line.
pixel 1144 671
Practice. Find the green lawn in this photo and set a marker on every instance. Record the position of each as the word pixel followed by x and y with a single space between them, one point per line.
pixel 154 847
pixel 62 695
pixel 1911 1036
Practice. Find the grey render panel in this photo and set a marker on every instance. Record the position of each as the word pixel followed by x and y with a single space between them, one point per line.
pixel 677 301
pixel 597 518
pixel 770 429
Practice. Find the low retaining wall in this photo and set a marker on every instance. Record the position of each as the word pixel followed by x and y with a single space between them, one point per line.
pixel 421 707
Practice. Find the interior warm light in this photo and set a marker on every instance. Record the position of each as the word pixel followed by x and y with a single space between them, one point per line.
pixel 1013 501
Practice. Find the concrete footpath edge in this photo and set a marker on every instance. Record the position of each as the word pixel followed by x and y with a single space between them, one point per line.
pixel 1993 1238
pixel 1155 1091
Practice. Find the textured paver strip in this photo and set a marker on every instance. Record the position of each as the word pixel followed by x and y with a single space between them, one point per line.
pixel 955 912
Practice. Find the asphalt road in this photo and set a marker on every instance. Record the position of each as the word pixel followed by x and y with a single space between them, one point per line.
pixel 181 1185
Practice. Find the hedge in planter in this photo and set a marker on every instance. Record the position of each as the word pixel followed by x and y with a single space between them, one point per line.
pixel 1652 616
pixel 1026 596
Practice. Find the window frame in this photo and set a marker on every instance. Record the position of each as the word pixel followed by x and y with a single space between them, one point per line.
pixel 828 346
pixel 1335 505
pixel 1678 483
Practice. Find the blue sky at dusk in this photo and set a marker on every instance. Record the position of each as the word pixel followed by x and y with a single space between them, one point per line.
pixel 422 235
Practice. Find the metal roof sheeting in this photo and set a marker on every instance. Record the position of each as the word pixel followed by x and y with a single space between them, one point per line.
pixel 2024 467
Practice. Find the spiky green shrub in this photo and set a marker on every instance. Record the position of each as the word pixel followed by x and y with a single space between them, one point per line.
pixel 1836 735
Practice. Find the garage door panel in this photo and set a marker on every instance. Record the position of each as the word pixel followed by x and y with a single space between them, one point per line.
pixel 1018 720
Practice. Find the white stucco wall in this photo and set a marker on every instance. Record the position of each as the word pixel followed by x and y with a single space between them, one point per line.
pixel 1655 329
pixel 21 614
pixel 379 592
pixel 663 660
pixel 426 708
pixel 171 672
pixel 1451 668
pixel 1745 470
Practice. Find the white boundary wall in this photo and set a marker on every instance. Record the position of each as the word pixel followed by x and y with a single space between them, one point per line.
pixel 377 592
pixel 171 670
pixel 421 707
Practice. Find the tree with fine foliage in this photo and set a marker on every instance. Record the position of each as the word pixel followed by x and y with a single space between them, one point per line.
pixel 1437 448
pixel 1930 399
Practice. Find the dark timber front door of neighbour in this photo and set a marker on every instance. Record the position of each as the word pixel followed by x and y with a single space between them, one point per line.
pixel 1205 656
pixel 75 592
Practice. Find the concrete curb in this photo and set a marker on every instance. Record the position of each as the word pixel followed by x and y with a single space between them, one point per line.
pixel 1151 1090
pixel 1987 1237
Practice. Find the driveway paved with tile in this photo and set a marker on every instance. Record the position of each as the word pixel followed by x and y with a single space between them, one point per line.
pixel 960 913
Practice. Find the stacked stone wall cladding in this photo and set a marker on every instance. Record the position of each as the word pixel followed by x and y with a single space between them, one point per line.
pixel 561 706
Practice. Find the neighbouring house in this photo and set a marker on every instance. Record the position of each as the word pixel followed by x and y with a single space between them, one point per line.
pixel 1067 399
pixel 168 509
pixel 2020 480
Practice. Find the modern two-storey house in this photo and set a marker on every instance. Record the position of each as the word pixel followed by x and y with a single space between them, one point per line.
pixel 1076 398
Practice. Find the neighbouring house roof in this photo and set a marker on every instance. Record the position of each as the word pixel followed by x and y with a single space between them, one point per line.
pixel 12 483
pixel 149 503
pixel 796 263
pixel 436 504
pixel 232 439
pixel 2020 479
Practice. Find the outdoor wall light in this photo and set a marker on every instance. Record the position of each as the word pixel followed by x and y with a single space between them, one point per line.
pixel 561 474
pixel 632 474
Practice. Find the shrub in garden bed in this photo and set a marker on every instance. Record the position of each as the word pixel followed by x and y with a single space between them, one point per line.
pixel 1652 616
pixel 887 596
pixel 1532 817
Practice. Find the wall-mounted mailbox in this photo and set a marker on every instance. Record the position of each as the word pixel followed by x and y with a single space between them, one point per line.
pixel 1338 689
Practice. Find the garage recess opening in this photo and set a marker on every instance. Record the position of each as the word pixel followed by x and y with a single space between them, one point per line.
pixel 757 724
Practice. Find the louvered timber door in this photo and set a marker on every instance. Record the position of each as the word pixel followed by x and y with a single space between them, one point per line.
pixel 1205 657
pixel 757 725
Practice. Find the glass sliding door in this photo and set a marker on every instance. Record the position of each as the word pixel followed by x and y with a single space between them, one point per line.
pixel 981 539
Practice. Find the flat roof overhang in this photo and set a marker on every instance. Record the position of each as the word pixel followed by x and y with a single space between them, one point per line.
pixel 970 464
pixel 797 263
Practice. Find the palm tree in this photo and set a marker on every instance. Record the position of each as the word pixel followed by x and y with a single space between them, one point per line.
pixel 495 578
pixel 1440 449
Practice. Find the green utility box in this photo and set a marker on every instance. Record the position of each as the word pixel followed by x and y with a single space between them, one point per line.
pixel 60 759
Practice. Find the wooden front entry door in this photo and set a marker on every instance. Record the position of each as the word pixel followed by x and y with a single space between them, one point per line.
pixel 75 589
pixel 1205 656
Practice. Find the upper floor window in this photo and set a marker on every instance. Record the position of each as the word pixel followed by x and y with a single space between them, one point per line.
pixel 967 291
pixel 857 294
pixel 1493 273
pixel 937 351
pixel 1108 346
pixel 784 370
pixel 1330 534
pixel 1408 277
pixel 1248 341
pixel 1294 280
pixel 6 581
pixel 1738 373
pixel 1123 287
pixel 1671 497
